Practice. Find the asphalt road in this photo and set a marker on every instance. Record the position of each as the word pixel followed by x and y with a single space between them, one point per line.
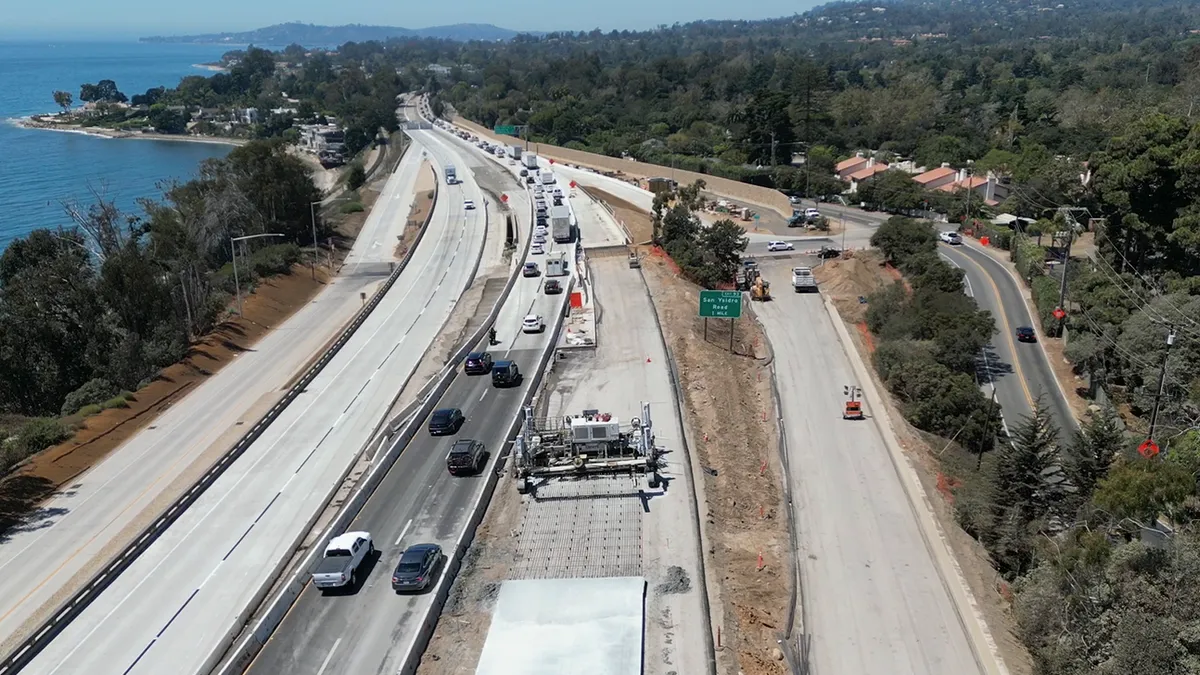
pixel 873 600
pixel 1020 371
pixel 101 511
pixel 370 629
pixel 176 603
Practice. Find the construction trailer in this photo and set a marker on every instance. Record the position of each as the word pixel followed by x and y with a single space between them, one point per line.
pixel 557 264
pixel 587 444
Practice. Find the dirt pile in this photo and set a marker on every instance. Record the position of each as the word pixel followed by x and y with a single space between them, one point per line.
pixel 640 226
pixel 846 280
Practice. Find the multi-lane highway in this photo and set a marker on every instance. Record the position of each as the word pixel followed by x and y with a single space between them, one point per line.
pixel 102 510
pixel 174 607
pixel 371 629
pixel 873 599
pixel 1020 372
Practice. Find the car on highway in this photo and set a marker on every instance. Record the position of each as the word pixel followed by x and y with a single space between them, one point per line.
pixel 478 363
pixel 539 239
pixel 531 270
pixel 467 456
pixel 469 205
pixel 540 229
pixel 533 323
pixel 952 238
pixel 537 249
pixel 344 554
pixel 446 421
pixel 1026 334
pixel 417 568
pixel 529 180
pixel 780 246
pixel 795 200
pixel 552 287
pixel 523 173
pixel 505 374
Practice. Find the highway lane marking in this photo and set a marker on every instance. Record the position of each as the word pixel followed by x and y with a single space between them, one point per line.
pixel 329 657
pixel 1008 331
pixel 403 532
pixel 485 391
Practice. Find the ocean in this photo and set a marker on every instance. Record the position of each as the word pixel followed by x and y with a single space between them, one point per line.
pixel 39 169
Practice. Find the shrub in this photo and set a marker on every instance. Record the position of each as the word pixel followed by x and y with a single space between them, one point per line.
pixel 115 402
pixel 1029 258
pixel 41 433
pixel 356 176
pixel 92 391
pixel 352 207
pixel 89 410
pixel 1045 296
pixel 272 260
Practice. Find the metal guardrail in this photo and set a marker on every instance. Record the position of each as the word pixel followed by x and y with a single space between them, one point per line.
pixel 77 603
pixel 398 438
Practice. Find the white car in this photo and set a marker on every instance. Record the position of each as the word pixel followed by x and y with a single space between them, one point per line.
pixel 540 229
pixel 533 324
pixel 811 213
pixel 537 249
pixel 951 238
pixel 780 246
pixel 469 205
pixel 539 239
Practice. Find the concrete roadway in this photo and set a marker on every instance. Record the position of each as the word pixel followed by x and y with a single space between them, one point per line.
pixel 101 511
pixel 1020 372
pixel 178 601
pixel 370 629
pixel 873 600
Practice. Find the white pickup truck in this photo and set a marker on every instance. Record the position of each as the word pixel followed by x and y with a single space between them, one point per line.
pixel 803 280
pixel 343 556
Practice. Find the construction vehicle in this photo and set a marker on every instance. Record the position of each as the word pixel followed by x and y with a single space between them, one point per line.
pixel 634 261
pixel 853 409
pixel 803 280
pixel 744 279
pixel 761 290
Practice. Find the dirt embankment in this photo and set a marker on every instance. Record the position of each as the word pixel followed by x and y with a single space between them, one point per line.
pixel 634 219
pixel 939 465
pixel 270 304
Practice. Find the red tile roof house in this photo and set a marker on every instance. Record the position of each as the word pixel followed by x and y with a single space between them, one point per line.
pixel 848 166
pixel 987 187
pixel 936 178
pixel 865 173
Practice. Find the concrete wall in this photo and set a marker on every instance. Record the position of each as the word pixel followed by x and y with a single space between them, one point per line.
pixel 743 192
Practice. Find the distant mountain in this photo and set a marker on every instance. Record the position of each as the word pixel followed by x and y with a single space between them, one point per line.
pixel 308 35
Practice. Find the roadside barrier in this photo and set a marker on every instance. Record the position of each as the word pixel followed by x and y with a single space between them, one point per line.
pixel 73 607
pixel 398 434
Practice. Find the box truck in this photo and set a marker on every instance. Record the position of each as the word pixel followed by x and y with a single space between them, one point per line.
pixel 514 151
pixel 529 160
pixel 560 224
pixel 451 175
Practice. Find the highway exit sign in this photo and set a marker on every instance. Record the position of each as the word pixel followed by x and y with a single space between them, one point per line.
pixel 721 304
pixel 505 130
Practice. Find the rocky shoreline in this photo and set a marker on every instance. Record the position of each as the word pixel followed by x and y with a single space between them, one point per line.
pixel 50 123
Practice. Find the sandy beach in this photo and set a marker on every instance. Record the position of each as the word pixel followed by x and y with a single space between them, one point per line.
pixel 39 122
pixel 210 66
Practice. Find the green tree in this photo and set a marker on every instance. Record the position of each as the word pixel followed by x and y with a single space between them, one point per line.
pixel 356 176
pixel 1093 450
pixel 768 127
pixel 167 121
pixel 64 100
pixel 1142 489
pixel 900 238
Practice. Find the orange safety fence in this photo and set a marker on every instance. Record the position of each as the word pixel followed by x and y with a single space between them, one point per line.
pixel 867 337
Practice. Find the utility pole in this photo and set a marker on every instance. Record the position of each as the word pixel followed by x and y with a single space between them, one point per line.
pixel 1162 382
pixel 992 410
pixel 772 148
pixel 1069 220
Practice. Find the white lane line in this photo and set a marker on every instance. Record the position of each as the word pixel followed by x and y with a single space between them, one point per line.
pixel 329 657
pixel 403 532
pixel 485 391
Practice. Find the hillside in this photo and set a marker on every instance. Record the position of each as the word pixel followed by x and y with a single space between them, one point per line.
pixel 310 35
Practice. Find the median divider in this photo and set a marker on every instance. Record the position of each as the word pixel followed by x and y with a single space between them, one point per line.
pixel 983 646
pixel 397 434
pixel 420 641
pixel 77 603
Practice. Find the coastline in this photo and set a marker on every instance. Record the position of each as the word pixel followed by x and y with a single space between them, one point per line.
pixel 32 122
pixel 211 67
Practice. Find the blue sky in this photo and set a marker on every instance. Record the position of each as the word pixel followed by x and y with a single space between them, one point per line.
pixel 88 19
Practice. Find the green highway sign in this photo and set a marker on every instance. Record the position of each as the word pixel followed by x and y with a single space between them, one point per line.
pixel 505 130
pixel 721 304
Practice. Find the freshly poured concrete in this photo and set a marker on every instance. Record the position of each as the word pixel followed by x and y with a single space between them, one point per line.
pixel 577 626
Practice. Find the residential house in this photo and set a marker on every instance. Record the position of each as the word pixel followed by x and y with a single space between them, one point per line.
pixel 318 138
pixel 848 166
pixel 247 115
pixel 866 173
pixel 936 178
pixel 988 186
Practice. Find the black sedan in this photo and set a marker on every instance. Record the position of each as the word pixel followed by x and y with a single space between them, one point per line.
pixel 1026 334
pixel 552 287
pixel 445 421
pixel 417 567
pixel 478 363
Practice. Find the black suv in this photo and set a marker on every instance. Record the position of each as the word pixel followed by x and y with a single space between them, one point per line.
pixel 478 363
pixel 552 287
pixel 466 457
pixel 446 421
pixel 1026 334
pixel 505 374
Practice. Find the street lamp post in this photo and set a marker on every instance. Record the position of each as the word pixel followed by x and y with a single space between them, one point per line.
pixel 237 287
pixel 312 212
